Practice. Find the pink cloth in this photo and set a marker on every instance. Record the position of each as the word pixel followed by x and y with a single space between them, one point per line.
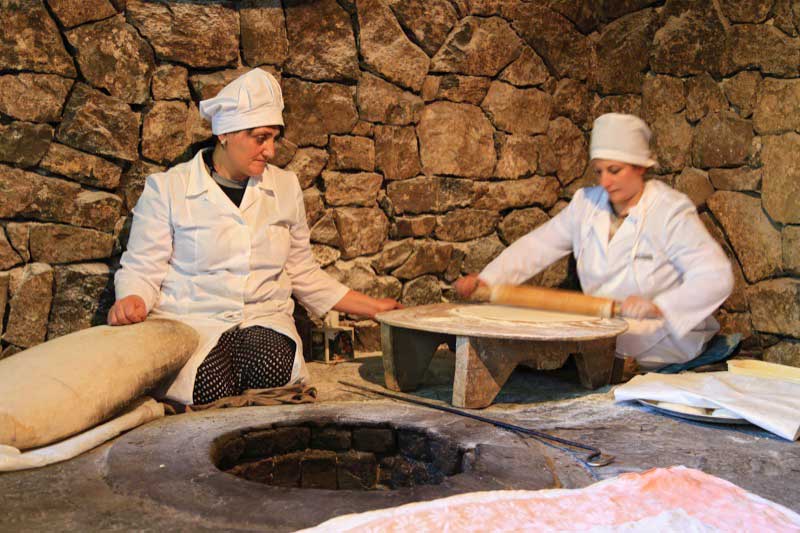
pixel 676 498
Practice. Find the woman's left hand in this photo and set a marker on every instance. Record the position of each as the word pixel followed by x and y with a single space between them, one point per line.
pixel 386 304
pixel 639 308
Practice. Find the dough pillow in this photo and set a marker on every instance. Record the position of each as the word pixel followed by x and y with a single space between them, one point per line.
pixel 67 385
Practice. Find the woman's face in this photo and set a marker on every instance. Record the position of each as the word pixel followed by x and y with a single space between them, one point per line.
pixel 248 151
pixel 623 182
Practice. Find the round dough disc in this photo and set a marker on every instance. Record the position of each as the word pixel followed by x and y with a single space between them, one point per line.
pixel 504 313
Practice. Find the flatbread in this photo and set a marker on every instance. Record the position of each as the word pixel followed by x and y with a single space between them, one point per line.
pixel 506 313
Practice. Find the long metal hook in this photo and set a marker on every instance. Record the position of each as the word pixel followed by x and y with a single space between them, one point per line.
pixel 596 458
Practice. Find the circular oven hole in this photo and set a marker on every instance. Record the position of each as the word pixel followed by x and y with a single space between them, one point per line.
pixel 343 457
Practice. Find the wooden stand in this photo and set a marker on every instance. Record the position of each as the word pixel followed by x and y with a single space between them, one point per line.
pixel 484 362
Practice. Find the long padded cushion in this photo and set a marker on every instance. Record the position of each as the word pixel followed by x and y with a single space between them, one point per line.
pixel 67 385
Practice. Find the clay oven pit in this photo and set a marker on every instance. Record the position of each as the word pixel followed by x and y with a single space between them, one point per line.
pixel 290 467
pixel 339 457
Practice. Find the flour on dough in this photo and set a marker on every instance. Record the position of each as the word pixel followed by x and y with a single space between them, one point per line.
pixel 504 313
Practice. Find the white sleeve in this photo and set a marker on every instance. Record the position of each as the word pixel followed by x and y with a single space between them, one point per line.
pixel 537 250
pixel 315 289
pixel 146 260
pixel 706 271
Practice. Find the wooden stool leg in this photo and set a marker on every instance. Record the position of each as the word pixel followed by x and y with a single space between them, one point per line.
pixel 407 354
pixel 482 368
pixel 595 362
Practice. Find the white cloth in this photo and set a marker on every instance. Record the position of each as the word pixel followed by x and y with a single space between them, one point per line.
pixel 661 252
pixel 252 100
pixel 11 459
pixel 624 138
pixel 194 256
pixel 771 404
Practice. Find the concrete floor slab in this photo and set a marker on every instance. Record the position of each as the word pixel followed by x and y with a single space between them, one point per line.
pixel 114 488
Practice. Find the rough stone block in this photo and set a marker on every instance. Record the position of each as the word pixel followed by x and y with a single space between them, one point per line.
pixel 74 12
pixel 521 222
pixel 113 56
pixel 426 257
pixel 100 124
pixel 790 237
pixel 331 438
pixel 456 88
pixel 515 110
pixel 456 139
pixel 623 52
pixel 33 97
pixel 420 226
pixel 423 290
pixel 314 110
pixel 735 179
pixel 274 442
pixel 83 295
pixel 286 470
pixel 777 109
pixel 382 41
pixel 170 82
pixel 466 224
pixel 380 101
pixel 318 470
pixel 478 47
pixel 356 471
pixel 359 189
pixel 81 167
pixel 780 187
pixel 526 70
pixel 362 230
pixel 775 306
pixel 784 353
pixel 376 440
pixel 24 143
pixel 351 153
pixel 31 289
pixel 209 35
pixel 258 18
pixel 755 240
pixel 35 43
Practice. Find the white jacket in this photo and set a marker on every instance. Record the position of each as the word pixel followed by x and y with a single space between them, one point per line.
pixel 194 256
pixel 661 252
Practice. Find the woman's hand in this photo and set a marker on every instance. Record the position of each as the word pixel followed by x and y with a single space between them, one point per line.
pixel 466 285
pixel 129 310
pixel 386 304
pixel 358 303
pixel 639 308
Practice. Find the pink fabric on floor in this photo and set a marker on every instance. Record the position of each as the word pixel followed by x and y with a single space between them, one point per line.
pixel 658 499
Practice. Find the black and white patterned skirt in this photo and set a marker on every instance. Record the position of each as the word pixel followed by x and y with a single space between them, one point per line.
pixel 244 358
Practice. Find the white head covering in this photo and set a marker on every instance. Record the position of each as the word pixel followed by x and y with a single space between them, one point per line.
pixel 623 138
pixel 250 101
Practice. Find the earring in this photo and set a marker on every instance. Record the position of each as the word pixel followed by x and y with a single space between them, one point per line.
pixel 224 143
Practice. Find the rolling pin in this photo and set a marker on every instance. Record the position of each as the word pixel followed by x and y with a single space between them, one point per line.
pixel 548 300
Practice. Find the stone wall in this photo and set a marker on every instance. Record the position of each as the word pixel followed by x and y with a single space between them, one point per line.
pixel 427 134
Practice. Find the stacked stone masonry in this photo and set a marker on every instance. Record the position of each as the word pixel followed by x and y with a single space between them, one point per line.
pixel 428 135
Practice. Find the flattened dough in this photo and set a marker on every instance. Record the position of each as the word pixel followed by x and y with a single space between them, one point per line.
pixel 506 313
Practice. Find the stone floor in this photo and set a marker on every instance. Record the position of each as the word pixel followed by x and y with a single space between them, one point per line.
pixel 158 477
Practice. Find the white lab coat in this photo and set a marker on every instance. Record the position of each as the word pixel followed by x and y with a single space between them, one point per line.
pixel 661 252
pixel 194 256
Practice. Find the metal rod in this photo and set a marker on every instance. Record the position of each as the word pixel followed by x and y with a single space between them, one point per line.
pixel 595 458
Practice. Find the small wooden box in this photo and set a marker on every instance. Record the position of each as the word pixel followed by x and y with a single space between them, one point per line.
pixel 332 344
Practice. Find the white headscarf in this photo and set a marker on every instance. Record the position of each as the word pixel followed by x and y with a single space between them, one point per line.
pixel 250 101
pixel 623 138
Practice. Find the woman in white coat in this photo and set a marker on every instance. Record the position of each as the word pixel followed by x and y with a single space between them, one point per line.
pixel 221 243
pixel 635 240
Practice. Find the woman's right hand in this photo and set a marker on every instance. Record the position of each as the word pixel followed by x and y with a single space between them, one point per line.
pixel 466 285
pixel 129 310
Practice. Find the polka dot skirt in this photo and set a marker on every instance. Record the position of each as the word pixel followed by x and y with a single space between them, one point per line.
pixel 249 358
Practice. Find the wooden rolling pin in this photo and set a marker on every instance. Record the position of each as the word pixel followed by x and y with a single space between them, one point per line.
pixel 548 300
